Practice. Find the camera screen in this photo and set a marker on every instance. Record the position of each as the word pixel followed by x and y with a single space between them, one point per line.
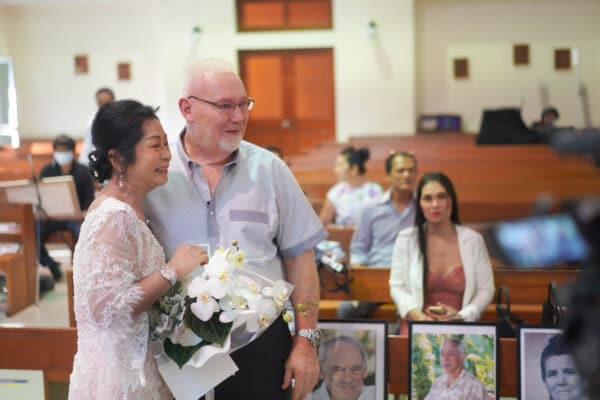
pixel 541 241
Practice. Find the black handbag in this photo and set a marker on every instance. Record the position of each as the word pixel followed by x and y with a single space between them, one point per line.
pixel 508 322
pixel 552 311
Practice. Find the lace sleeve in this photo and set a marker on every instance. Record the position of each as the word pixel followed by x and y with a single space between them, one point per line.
pixel 110 269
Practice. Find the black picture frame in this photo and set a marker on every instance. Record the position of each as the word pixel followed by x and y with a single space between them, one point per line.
pixel 372 334
pixel 425 341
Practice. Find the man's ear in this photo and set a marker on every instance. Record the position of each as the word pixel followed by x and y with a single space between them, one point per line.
pixel 185 107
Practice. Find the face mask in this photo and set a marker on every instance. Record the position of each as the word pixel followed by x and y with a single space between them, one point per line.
pixel 63 157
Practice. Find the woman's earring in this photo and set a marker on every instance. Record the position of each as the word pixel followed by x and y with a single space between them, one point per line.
pixel 121 179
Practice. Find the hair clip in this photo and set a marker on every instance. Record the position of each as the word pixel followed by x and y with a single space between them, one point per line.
pixel 93 157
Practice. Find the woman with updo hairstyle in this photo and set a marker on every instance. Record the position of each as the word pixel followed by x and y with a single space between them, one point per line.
pixel 119 268
pixel 345 199
pixel 440 270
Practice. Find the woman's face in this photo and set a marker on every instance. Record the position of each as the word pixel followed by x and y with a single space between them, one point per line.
pixel 152 156
pixel 342 168
pixel 435 203
pixel 561 378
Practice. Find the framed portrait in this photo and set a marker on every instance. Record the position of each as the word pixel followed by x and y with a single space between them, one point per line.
pixel 546 368
pixel 353 360
pixel 453 360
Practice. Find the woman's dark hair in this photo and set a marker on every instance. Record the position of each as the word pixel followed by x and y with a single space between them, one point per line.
pixel 356 157
pixel 556 346
pixel 443 180
pixel 117 126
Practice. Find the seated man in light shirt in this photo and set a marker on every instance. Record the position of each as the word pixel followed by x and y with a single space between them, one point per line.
pixel 343 363
pixel 455 383
pixel 379 224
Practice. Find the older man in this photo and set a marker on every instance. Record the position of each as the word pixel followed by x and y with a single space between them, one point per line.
pixel 455 383
pixel 343 362
pixel 559 372
pixel 222 189
pixel 379 223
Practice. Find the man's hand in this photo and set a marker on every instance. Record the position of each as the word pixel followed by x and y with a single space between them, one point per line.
pixel 302 366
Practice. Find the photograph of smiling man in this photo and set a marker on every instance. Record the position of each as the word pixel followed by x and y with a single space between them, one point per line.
pixel 453 361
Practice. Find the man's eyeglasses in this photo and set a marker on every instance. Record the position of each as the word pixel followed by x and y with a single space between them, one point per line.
pixel 229 108
pixel 354 370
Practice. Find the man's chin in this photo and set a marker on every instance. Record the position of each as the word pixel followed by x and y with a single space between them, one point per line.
pixel 230 144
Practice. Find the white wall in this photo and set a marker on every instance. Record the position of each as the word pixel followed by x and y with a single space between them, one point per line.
pixel 44 40
pixel 374 84
pixel 3 34
pixel 484 32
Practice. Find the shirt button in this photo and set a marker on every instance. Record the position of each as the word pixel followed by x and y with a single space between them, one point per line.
pixel 212 213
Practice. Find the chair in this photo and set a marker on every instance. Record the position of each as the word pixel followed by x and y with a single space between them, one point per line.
pixel 19 266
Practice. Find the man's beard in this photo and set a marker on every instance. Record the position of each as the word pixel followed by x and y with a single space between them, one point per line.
pixel 230 144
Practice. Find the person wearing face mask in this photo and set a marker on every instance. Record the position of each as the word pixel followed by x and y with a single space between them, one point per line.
pixel 64 164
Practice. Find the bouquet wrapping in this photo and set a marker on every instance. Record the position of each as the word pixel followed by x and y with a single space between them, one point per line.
pixel 205 316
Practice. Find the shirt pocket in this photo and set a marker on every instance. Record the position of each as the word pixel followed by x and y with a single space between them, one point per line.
pixel 251 229
pixel 249 216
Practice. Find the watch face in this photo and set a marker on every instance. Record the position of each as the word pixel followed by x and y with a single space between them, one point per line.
pixel 317 335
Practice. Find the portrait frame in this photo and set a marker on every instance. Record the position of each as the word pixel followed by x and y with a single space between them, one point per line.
pixel 531 341
pixel 372 334
pixel 480 340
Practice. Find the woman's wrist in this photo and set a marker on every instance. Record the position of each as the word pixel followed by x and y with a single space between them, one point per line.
pixel 169 274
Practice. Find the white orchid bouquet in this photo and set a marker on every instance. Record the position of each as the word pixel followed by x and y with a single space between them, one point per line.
pixel 218 309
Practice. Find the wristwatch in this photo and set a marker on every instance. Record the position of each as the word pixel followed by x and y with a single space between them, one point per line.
pixel 169 274
pixel 313 336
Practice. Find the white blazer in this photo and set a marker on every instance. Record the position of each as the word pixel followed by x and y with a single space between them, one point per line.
pixel 406 274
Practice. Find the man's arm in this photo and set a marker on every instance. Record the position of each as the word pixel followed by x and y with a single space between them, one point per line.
pixel 302 364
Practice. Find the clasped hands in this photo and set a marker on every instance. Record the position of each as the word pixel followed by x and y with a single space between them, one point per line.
pixel 439 312
pixel 442 312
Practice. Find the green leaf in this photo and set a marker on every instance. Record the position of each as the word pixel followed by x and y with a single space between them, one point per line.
pixel 180 354
pixel 212 331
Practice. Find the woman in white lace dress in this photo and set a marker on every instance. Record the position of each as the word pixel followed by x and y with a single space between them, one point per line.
pixel 119 268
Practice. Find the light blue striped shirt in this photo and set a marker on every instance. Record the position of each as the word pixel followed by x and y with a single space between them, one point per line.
pixel 378 226
pixel 256 202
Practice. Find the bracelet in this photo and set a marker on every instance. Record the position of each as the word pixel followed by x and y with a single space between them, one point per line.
pixel 304 308
pixel 169 274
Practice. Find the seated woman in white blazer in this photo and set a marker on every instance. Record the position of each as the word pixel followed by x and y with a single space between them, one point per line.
pixel 440 270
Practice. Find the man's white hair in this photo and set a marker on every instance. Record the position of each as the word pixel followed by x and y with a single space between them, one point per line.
pixel 457 343
pixel 198 68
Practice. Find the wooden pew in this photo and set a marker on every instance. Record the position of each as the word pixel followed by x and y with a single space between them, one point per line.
pixel 528 290
pixel 52 350
pixel 20 267
pixel 70 298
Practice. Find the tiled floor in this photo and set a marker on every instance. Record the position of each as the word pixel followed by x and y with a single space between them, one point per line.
pixel 52 309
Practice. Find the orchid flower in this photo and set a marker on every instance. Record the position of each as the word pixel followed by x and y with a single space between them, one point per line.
pixel 205 305
pixel 266 312
pixel 280 292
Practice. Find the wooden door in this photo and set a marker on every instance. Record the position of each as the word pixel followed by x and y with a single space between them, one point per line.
pixel 294 96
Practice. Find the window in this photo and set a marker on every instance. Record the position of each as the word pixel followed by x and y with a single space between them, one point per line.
pixel 261 15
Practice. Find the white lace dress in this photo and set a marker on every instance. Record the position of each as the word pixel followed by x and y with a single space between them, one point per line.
pixel 115 250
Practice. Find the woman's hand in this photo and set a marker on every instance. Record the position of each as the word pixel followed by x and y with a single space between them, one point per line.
pixel 187 258
pixel 418 315
pixel 443 312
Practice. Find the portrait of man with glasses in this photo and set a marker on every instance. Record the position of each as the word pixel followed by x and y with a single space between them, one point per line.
pixel 343 362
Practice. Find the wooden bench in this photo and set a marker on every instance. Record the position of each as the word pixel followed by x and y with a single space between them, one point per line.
pixel 52 350
pixel 20 267
pixel 528 290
